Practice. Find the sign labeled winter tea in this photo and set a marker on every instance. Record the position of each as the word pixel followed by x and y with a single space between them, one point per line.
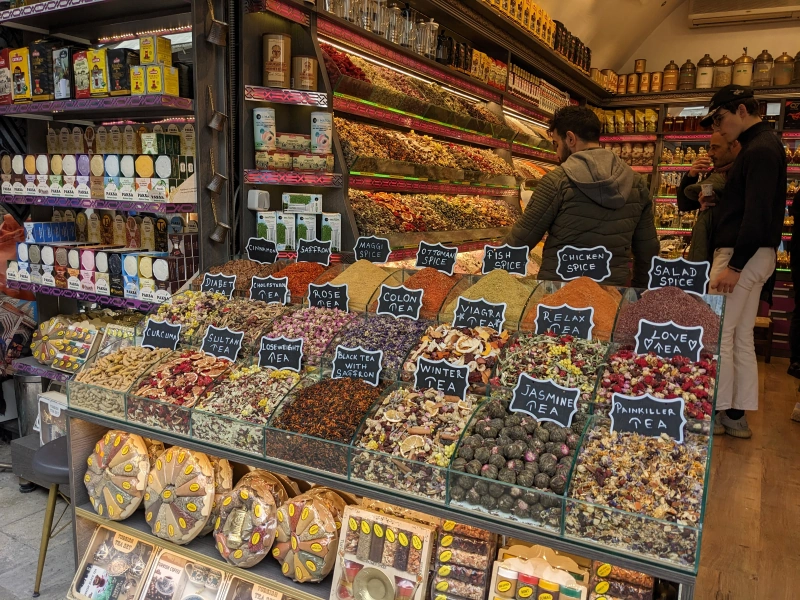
pixel 689 276
pixel 272 290
pixel 328 295
pixel 262 251
pixel 669 339
pixel 479 313
pixel 648 416
pixel 357 363
pixel 594 263
pixel 513 259
pixel 545 400
pixel 565 320
pixel 281 353
pixel 373 249
pixel 160 334
pixel 222 342
pixel 314 251
pixel 399 302
pixel 219 284
pixel 437 256
pixel 441 375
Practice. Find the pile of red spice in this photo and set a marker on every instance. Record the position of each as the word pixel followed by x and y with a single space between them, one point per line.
pixel 300 275
pixel 436 286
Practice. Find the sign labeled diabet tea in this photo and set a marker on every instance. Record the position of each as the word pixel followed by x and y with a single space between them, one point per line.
pixel 219 284
pixel 513 259
pixel 262 251
pixel 357 363
pixel 328 295
pixel 479 313
pixel 160 334
pixel 314 251
pixel 669 339
pixel 647 415
pixel 565 320
pixel 399 302
pixel 373 249
pixel 222 342
pixel 272 290
pixel 281 353
pixel 440 375
pixel 594 263
pixel 545 400
pixel 689 276
pixel 437 256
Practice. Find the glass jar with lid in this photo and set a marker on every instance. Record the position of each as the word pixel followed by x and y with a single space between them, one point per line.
pixel 762 71
pixel 705 73
pixel 743 70
pixel 723 72
pixel 783 70
pixel 688 75
pixel 669 81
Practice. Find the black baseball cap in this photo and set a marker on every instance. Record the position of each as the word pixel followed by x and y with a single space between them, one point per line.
pixel 725 95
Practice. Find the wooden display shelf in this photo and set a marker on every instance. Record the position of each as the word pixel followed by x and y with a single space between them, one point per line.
pixel 690 96
pixel 281 96
pixel 124 205
pixel 113 301
pixel 396 183
pixel 263 177
pixel 101 109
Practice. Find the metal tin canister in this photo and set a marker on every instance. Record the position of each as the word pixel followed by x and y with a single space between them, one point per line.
pixel 277 59
pixel 264 128
pixel 304 72
pixel 644 83
pixel 633 83
pixel 640 65
pixel 622 83
pixel 655 81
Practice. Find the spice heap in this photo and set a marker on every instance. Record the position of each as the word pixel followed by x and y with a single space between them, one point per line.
pixel 336 60
pixel 300 275
pixel 668 304
pixel 419 426
pixel 362 279
pixel 316 326
pixel 192 310
pixel 514 450
pixel 436 286
pixel 253 318
pixel 678 377
pixel 478 348
pixel 496 287
pixel 584 293
pixel 652 476
pixel 244 270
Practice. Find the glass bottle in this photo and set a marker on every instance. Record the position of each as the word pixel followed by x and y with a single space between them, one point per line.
pixel 430 45
pixel 688 75
pixel 705 73
pixel 380 17
pixel 669 82
pixel 420 36
pixel 442 51
pixel 407 30
pixel 723 71
pixel 743 70
pixel 762 72
pixel 395 24
pixel 783 70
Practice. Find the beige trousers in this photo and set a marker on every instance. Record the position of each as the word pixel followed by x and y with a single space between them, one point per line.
pixel 738 375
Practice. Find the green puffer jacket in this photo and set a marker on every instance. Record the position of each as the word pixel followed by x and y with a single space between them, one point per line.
pixel 592 199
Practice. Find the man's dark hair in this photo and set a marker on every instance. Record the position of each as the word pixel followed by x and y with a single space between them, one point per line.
pixel 751 104
pixel 579 120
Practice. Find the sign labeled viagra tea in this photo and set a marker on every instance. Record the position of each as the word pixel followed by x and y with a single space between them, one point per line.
pixel 479 313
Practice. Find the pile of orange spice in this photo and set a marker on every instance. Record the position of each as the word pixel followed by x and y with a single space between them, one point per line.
pixel 436 285
pixel 300 275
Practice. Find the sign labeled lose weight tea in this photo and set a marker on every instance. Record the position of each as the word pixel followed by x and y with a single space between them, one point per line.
pixel 281 353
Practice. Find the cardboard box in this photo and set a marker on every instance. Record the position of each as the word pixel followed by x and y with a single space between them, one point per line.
pixel 332 230
pixel 5 77
pixel 80 71
pixel 285 230
pixel 20 61
pixel 305 227
pixel 63 74
pixel 138 79
pixel 301 203
pixel 162 79
pixel 154 50
pixel 130 275
pixel 266 225
pixel 98 72
pixel 42 70
pixel 119 63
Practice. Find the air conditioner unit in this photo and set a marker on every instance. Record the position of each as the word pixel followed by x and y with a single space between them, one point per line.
pixel 717 13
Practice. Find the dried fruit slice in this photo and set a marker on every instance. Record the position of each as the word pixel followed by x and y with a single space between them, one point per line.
pixel 117 474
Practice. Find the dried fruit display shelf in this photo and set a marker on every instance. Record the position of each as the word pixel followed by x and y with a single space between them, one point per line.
pixel 395 183
pixel 547 156
pixel 256 176
pixel 281 96
pixel 629 137
pixel 98 109
pixel 113 301
pixel 31 366
pixel 124 205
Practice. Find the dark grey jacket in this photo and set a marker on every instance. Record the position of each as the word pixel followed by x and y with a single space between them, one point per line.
pixel 592 199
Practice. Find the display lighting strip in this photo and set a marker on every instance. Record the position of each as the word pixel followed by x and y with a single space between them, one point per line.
pixel 523 117
pixel 793 170
pixel 169 121
pixel 791 135
pixel 629 137
pixel 787 237
pixel 31 368
pixel 123 37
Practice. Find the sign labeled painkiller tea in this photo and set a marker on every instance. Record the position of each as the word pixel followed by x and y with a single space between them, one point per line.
pixel 453 380
pixel 262 251
pixel 373 249
pixel 281 353
pixel 222 342
pixel 314 251
pixel 272 290
pixel 328 295
pixel 513 259
pixel 669 339
pixel 689 276
pixel 357 363
pixel 545 400
pixel 479 313
pixel 594 263
pixel 437 256
pixel 160 334
pixel 647 415
pixel 565 320
pixel 400 302
pixel 219 283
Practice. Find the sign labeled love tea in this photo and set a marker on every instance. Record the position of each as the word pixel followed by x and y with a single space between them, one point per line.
pixel 160 334
pixel 565 320
pixel 669 339
pixel 513 259
pixel 400 302
pixel 437 256
pixel 272 290
pixel 373 249
pixel 328 295
pixel 479 313
pixel 220 284
pixel 689 276
pixel 357 363
pixel 545 400
pixel 594 263
pixel 262 251
pixel 314 251
pixel 441 375
pixel 647 415
pixel 281 353
pixel 222 342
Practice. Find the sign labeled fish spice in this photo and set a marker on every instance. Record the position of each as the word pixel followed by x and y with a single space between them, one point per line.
pixel 357 363
pixel 373 249
pixel 440 375
pixel 647 415
pixel 272 290
pixel 565 320
pixel 160 334
pixel 314 251
pixel 281 353
pixel 219 283
pixel 545 400
pixel 513 259
pixel 222 342
pixel 262 251
pixel 689 276
pixel 437 256
pixel 400 302
pixel 669 339
pixel 479 313
pixel 594 263
pixel 328 295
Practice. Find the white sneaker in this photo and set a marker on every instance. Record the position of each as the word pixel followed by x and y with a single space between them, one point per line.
pixel 736 427
pixel 719 428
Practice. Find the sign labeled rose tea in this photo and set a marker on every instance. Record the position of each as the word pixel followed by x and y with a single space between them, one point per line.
pixel 328 295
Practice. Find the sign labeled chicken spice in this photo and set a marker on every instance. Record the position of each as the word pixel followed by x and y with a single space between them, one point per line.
pixel 689 276
pixel 222 342
pixel 565 320
pixel 272 290
pixel 160 334
pixel 219 283
pixel 669 339
pixel 357 363
pixel 437 256
pixel 262 251
pixel 400 302
pixel 545 400
pixel 647 415
pixel 373 249
pixel 453 380
pixel 281 353
pixel 479 313
pixel 328 295
pixel 594 263
pixel 314 251
pixel 513 259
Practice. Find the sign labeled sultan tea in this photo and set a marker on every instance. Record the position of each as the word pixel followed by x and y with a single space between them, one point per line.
pixel 545 400
pixel 594 263
pixel 314 251
pixel 453 380
pixel 220 284
pixel 513 259
pixel 373 249
pixel 437 256
pixel 479 313
pixel 565 320
pixel 648 416
pixel 222 342
pixel 689 276
pixel 328 295
pixel 358 363
pixel 272 290
pixel 281 353
pixel 399 302
pixel 262 251
pixel 669 339
pixel 160 334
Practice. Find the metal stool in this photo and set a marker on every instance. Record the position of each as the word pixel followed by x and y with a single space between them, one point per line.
pixel 50 464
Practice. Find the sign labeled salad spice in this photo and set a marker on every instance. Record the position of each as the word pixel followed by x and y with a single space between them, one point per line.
pixel 689 276
pixel 453 380
pixel 479 313
pixel 281 353
pixel 513 259
pixel 373 249
pixel 437 256
pixel 647 415
pixel 272 290
pixel 328 295
pixel 222 342
pixel 160 334
pixel 262 251
pixel 219 284
pixel 545 400
pixel 594 263
pixel 565 320
pixel 400 302
pixel 669 339
pixel 357 363
pixel 314 251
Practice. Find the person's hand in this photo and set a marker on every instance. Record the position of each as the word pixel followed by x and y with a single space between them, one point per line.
pixel 726 281
pixel 706 202
pixel 700 165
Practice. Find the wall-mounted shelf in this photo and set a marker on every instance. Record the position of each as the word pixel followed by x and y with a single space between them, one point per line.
pixel 667 231
pixel 666 199
pixel 537 153
pixel 674 168
pixel 642 168
pixel 393 183
pixel 113 301
pixel 58 201
pixel 688 136
pixel 280 96
pixel 693 96
pixel 256 176
pixel 629 137
pixel 101 109
pixel 793 169
pixel 31 366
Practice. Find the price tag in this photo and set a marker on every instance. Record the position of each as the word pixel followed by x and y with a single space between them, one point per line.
pixel 648 416
pixel 272 290
pixel 160 334
pixel 689 276
pixel 220 284
pixel 358 363
pixel 281 353
pixel 314 251
pixel 262 251
pixel 328 295
pixel 437 256
pixel 441 375
pixel 399 302
pixel 479 313
pixel 669 339
pixel 513 259
pixel 594 263
pixel 222 343
pixel 545 400
pixel 565 320
pixel 373 249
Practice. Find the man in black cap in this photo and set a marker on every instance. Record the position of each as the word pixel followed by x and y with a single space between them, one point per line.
pixel 746 233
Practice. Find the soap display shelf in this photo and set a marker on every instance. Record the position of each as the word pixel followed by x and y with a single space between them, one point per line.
pixel 30 366
pixel 98 109
pixel 112 301
pixel 124 205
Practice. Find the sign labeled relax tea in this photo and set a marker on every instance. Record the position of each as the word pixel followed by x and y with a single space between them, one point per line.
pixel 453 380
pixel 262 251
pixel 272 290
pixel 400 302
pixel 357 363
pixel 647 415
pixel 689 276
pixel 373 249
pixel 479 313
pixel 281 353
pixel 436 256
pixel 513 259
pixel 222 342
pixel 328 295
pixel 565 320
pixel 160 334
pixel 219 284
pixel 669 339
pixel 314 251
pixel 594 263
pixel 545 400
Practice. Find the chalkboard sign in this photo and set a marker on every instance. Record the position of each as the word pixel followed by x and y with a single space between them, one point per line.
pixel 453 380
pixel 222 342
pixel 373 249
pixel 328 295
pixel 357 363
pixel 594 263
pixel 648 416
pixel 689 276
pixel 513 259
pixel 669 339
pixel 281 353
pixel 437 256
pixel 262 251
pixel 545 400
pixel 160 334
pixel 314 251
pixel 399 302
pixel 272 290
pixel 220 284
pixel 479 313
pixel 565 320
